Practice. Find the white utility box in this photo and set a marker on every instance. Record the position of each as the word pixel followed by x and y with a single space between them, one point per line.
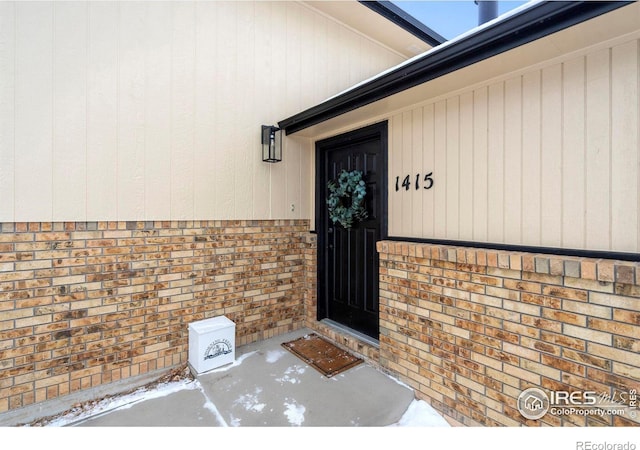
pixel 212 343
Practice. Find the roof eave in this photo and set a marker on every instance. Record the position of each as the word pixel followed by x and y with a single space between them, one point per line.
pixel 516 30
pixel 406 21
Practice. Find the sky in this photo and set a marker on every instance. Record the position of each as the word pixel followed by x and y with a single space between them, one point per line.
pixel 450 18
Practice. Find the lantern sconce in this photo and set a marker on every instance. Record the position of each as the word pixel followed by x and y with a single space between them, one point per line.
pixel 271 144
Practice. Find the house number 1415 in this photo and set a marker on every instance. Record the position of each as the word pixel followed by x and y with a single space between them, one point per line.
pixel 424 182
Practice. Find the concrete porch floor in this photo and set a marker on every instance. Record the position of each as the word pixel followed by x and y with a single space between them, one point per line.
pixel 268 386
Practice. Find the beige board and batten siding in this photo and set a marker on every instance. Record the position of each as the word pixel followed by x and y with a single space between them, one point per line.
pixel 546 157
pixel 152 110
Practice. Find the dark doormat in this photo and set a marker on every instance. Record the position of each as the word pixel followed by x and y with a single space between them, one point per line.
pixel 322 355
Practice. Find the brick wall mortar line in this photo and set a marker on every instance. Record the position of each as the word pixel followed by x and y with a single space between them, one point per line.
pixel 562 334
pixel 129 266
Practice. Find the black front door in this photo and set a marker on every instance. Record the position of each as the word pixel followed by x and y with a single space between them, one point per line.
pixel 347 258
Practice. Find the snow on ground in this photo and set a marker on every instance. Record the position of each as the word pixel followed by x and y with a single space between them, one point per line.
pixel 294 412
pixel 208 404
pixel 421 414
pixel 235 363
pixel 418 414
pixel 290 374
pixel 274 355
pixel 122 402
pixel 251 402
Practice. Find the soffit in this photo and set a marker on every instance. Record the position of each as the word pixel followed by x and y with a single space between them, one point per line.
pixel 615 24
pixel 371 24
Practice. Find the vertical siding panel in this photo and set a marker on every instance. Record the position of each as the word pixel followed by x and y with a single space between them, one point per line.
pixel 418 166
pixel 364 60
pixel 513 161
pixel 428 161
pixel 294 88
pixel 407 169
pixel 224 79
pixel 131 109
pixel 551 157
pixel 453 168
pixel 495 157
pixel 102 110
pixel 598 151
pixel 395 170
pixel 293 57
pixel 625 147
pixel 341 72
pixel 70 112
pixel 279 60
pixel 392 58
pixel 182 103
pixel 263 63
pixel 157 157
pixel 308 55
pixel 480 164
pixel 293 179
pixel 247 128
pixel 354 57
pixel 531 209
pixel 308 74
pixel 33 116
pixel 335 76
pixel 370 64
pixel 144 105
pixel 466 166
pixel 7 110
pixel 321 39
pixel 440 170
pixel 305 208
pixel 573 151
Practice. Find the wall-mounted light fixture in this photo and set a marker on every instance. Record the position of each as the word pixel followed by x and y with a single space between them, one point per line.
pixel 271 144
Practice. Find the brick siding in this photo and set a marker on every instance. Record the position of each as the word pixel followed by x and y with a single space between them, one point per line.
pixel 470 329
pixel 85 304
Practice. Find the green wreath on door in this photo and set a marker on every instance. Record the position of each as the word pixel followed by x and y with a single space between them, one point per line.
pixel 346 198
